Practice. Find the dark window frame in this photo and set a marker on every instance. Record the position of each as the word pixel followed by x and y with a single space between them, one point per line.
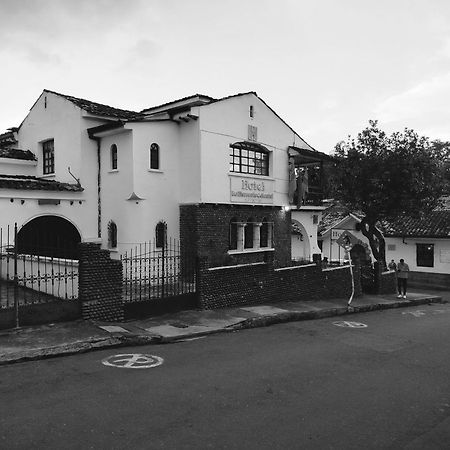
pixel 112 234
pixel 154 156
pixel 48 157
pixel 425 255
pixel 249 158
pixel 161 235
pixel 113 157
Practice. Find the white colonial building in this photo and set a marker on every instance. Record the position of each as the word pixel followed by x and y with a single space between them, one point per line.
pixel 75 170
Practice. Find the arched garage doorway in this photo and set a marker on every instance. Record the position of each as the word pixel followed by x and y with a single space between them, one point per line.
pixel 49 236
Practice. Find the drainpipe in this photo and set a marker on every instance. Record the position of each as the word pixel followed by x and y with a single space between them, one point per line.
pixel 99 186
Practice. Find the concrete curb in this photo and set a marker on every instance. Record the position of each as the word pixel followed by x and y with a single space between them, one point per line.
pixel 128 340
pixel 78 347
pixel 295 316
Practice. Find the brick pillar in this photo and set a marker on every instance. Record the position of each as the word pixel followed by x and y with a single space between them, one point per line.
pixel 100 284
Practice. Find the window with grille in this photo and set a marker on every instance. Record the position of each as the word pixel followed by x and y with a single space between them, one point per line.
pixel 154 156
pixel 113 152
pixel 425 255
pixel 48 157
pixel 246 157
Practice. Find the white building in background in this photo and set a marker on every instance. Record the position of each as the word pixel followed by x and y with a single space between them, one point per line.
pixel 424 243
pixel 96 173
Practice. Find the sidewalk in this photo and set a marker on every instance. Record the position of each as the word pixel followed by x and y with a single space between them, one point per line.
pixel 46 341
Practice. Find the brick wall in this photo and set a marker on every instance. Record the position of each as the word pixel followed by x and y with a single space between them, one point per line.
pixel 204 231
pixel 260 283
pixel 388 283
pixel 429 280
pixel 100 284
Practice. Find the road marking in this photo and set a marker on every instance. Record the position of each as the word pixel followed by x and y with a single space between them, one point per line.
pixel 347 324
pixel 133 361
pixel 113 329
pixel 417 313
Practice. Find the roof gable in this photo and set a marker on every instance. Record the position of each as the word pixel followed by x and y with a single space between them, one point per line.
pixel 98 109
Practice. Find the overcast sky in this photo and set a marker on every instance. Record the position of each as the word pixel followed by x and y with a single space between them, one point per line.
pixel 325 66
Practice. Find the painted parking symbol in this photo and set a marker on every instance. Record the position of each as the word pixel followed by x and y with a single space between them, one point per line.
pixel 133 361
pixel 417 313
pixel 347 324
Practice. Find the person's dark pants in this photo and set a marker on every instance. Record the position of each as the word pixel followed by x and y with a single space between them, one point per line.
pixel 401 285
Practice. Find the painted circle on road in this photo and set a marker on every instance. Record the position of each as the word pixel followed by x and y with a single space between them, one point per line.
pixel 347 324
pixel 133 361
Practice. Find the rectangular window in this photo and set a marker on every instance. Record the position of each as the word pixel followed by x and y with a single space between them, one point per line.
pixel 48 157
pixel 425 255
pixel 255 162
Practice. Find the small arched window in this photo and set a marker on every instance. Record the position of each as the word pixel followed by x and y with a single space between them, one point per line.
pixel 112 234
pixel 233 234
pixel 113 157
pixel 154 156
pixel 161 234
pixel 248 233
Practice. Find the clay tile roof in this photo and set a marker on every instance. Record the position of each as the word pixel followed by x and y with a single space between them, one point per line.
pixel 434 224
pixel 7 139
pixel 98 108
pixel 35 184
pixel 15 153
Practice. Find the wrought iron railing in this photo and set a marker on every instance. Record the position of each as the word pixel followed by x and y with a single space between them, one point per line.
pixel 32 277
pixel 151 272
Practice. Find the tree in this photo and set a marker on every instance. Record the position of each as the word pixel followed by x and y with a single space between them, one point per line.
pixel 385 176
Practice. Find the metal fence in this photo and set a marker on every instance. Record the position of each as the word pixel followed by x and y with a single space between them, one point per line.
pixel 34 276
pixel 151 272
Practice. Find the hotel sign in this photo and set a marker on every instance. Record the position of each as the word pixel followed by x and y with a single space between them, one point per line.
pixel 251 190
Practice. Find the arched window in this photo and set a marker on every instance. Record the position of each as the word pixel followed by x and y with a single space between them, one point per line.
pixel 113 156
pixel 112 234
pixel 248 233
pixel 161 234
pixel 154 156
pixel 233 234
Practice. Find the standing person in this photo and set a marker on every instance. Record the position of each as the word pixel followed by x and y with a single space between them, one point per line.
pixel 392 266
pixel 402 278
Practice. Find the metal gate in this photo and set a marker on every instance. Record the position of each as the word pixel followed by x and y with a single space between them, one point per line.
pixel 158 279
pixel 36 286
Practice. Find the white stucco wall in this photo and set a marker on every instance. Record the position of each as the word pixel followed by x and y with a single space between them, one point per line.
pixel 331 249
pixel 25 208
pixel 309 245
pixel 17 167
pixel 407 250
pixel 53 117
pixel 226 122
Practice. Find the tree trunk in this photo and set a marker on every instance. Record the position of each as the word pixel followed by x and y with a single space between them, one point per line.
pixel 376 241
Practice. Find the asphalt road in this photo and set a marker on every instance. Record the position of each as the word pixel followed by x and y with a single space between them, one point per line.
pixel 302 385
